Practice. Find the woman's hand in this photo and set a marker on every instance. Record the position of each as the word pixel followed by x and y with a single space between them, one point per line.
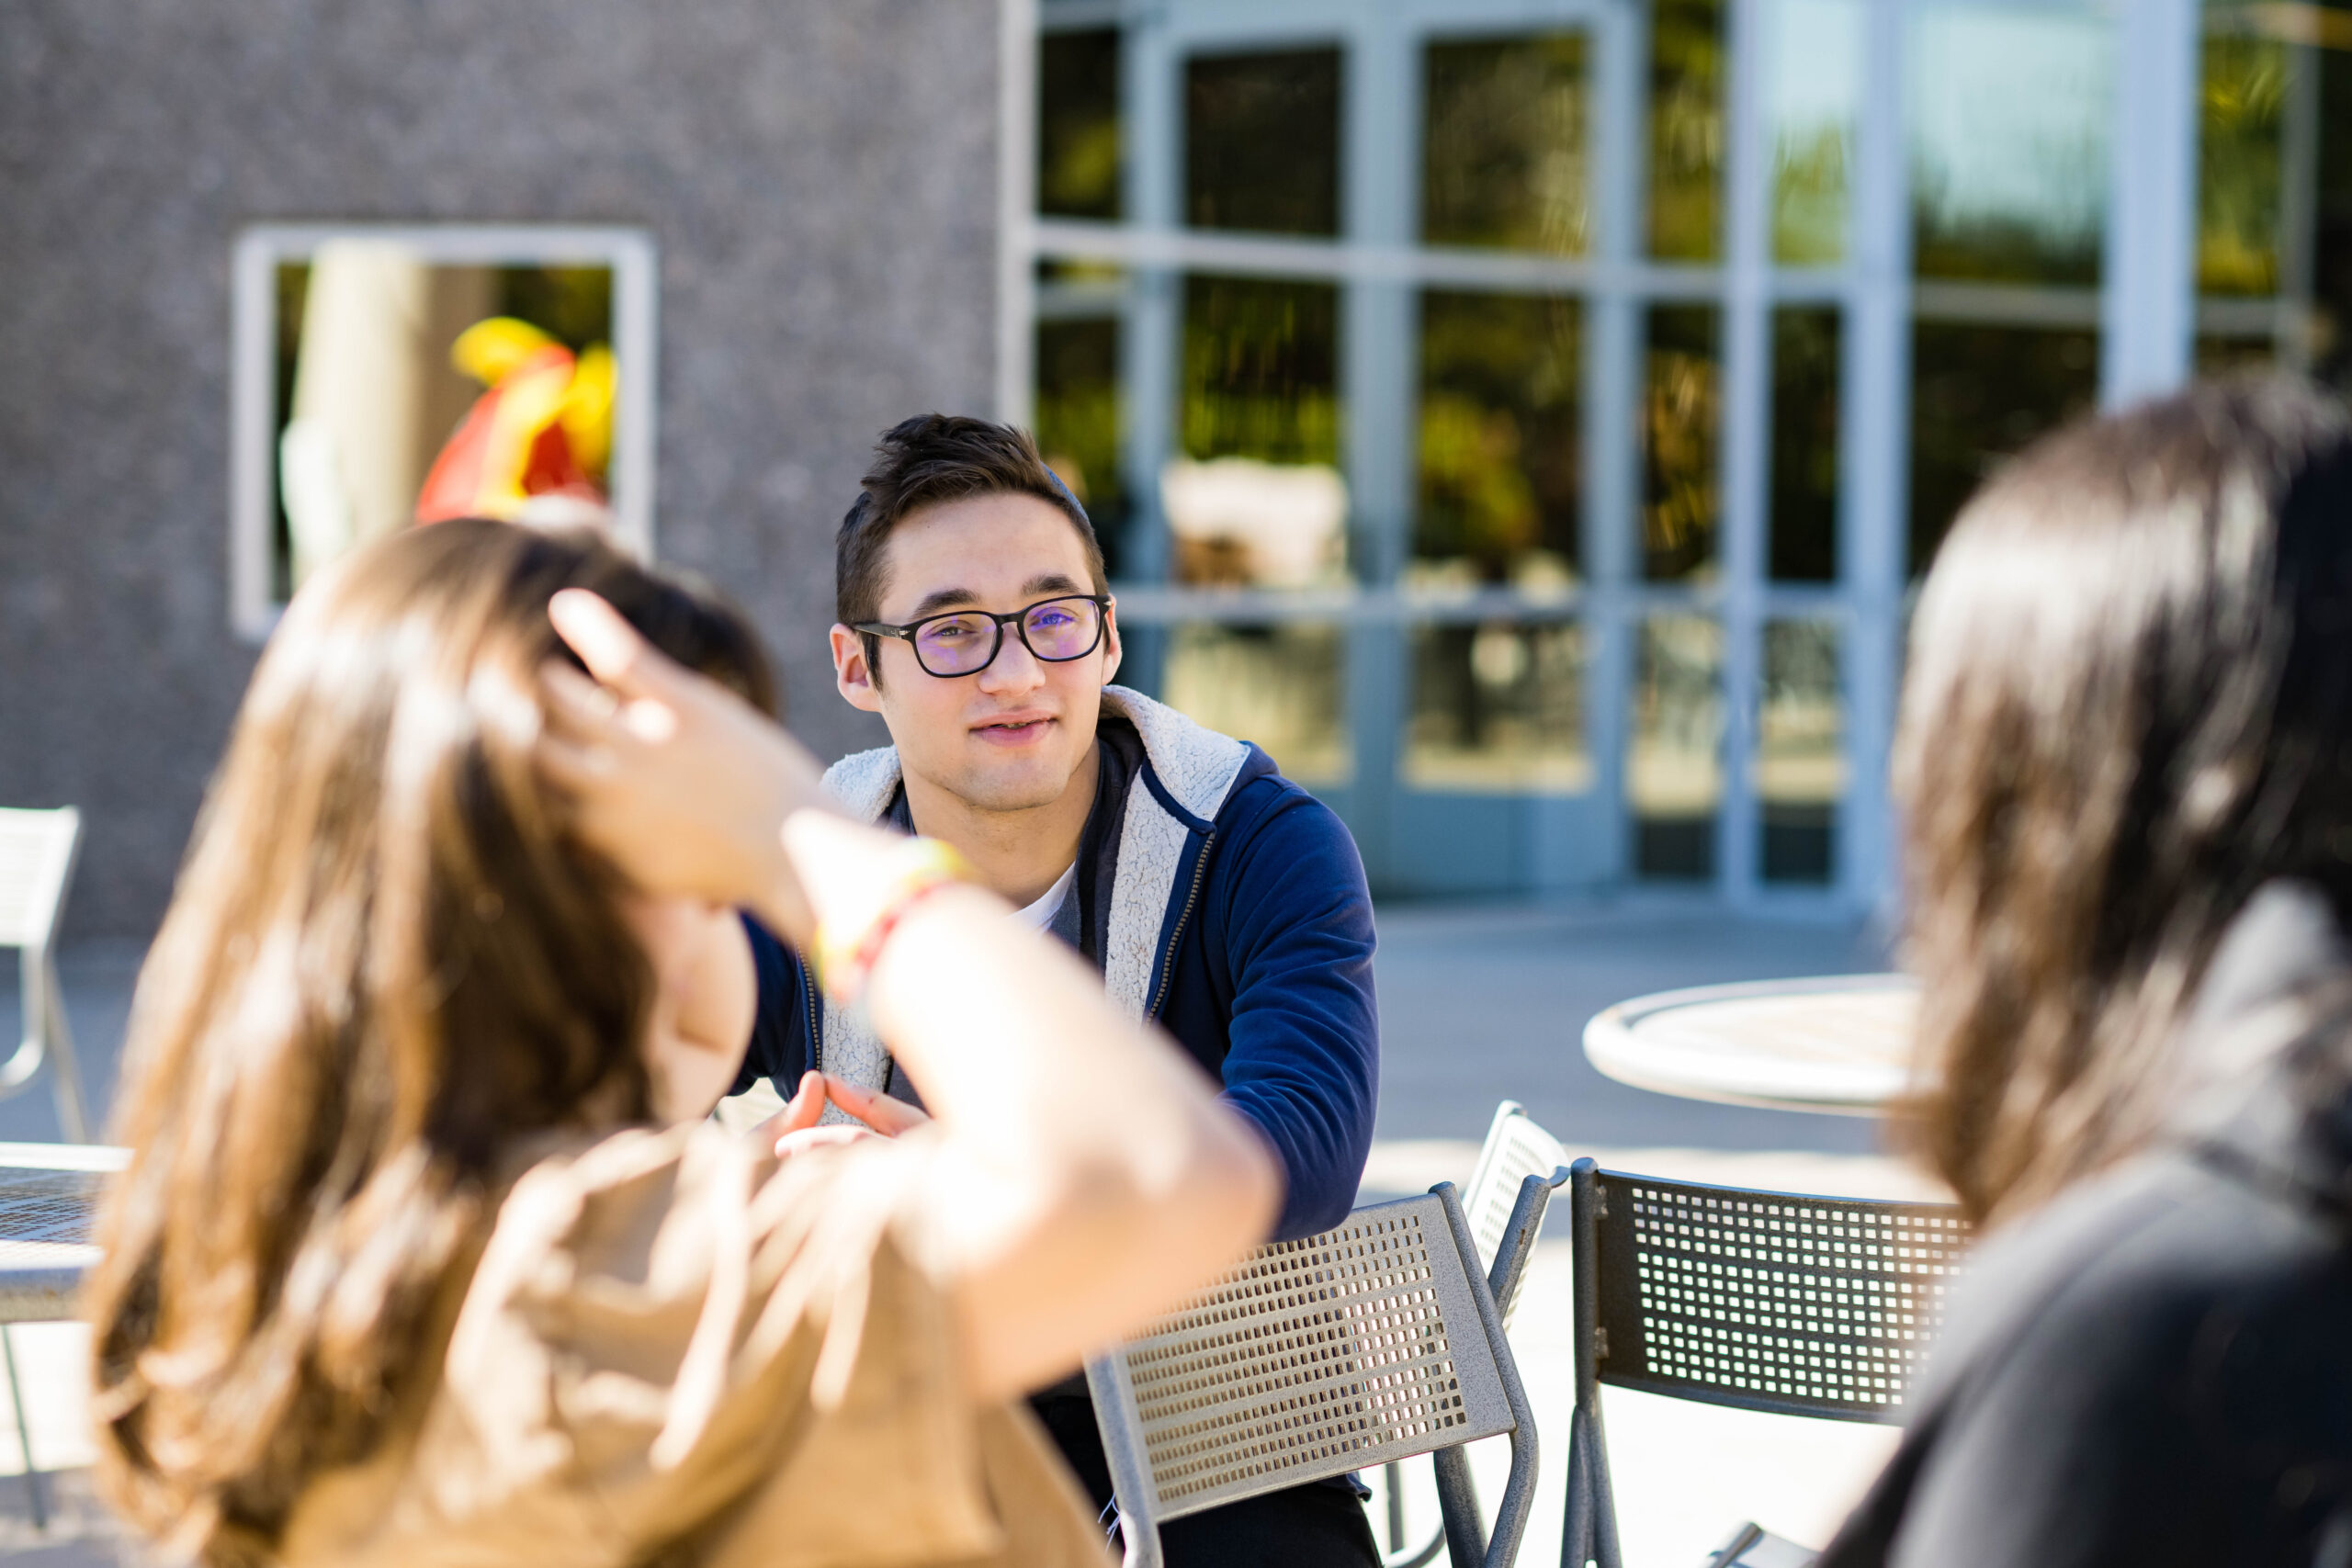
pixel 681 784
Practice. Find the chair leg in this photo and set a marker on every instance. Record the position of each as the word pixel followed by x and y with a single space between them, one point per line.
pixel 65 1084
pixel 24 1428
pixel 1392 1475
pixel 1457 1498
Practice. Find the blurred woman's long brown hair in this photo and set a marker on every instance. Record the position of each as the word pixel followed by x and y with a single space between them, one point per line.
pixel 386 966
pixel 2129 706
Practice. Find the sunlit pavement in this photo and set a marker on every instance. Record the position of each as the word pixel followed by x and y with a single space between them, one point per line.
pixel 1477 1003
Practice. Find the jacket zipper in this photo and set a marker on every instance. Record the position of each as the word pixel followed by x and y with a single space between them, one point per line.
pixel 1176 932
pixel 816 1025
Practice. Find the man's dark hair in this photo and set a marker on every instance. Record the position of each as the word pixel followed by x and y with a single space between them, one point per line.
pixel 921 462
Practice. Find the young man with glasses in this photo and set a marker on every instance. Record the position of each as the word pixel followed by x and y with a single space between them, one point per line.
pixel 1217 896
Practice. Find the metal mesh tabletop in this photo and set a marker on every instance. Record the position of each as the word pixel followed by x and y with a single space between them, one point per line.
pixel 1815 1306
pixel 45 1219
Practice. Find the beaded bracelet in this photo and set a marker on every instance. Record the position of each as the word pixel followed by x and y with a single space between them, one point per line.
pixel 849 942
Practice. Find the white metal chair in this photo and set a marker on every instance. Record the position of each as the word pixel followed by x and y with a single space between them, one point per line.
pixel 1516 1149
pixel 37 851
pixel 1376 1340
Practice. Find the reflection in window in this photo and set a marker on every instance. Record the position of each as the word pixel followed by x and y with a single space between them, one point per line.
pixel 1687 81
pixel 1978 394
pixel 1077 414
pixel 2229 355
pixel 2238 164
pixel 2330 336
pixel 1503 161
pixel 1816 89
pixel 410 391
pixel 2009 113
pixel 1673 780
pixel 1282 687
pixel 1804 444
pixel 1257 497
pixel 1499 709
pixel 1800 751
pixel 1681 415
pixel 1078 124
pixel 1501 469
pixel 1261 142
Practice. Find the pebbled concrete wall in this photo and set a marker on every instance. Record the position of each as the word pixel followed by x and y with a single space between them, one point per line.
pixel 819 176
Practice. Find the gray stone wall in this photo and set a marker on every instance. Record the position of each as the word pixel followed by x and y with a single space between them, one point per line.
pixel 819 174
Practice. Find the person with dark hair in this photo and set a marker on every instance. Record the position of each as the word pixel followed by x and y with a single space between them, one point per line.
pixel 1217 898
pixel 2126 762
pixel 427 1251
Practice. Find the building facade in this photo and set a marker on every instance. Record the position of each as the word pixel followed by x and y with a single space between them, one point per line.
pixel 1529 417
pixel 814 187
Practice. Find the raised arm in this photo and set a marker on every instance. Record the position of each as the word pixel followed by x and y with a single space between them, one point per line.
pixel 1086 1175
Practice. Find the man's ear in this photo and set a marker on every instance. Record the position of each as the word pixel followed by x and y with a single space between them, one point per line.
pixel 1110 640
pixel 852 677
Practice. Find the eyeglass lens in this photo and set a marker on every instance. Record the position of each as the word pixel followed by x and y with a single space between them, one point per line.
pixel 1055 631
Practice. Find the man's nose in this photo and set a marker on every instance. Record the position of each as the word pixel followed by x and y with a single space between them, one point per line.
pixel 1014 668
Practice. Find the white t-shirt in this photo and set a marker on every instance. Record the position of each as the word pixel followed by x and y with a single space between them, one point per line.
pixel 1041 913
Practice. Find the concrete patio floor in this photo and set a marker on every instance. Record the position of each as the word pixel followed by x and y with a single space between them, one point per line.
pixel 1477 1003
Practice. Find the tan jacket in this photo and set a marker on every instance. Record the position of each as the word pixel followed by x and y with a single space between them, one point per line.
pixel 676 1351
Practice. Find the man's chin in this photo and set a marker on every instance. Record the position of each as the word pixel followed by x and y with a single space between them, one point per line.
pixel 1022 786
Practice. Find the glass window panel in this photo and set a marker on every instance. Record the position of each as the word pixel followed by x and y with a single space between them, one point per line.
pixel 1282 685
pixel 2009 113
pixel 1804 444
pixel 1257 499
pixel 1673 780
pixel 1077 410
pixel 1978 394
pixel 2241 138
pixel 1816 91
pixel 1681 411
pixel 2219 355
pixel 1078 124
pixel 1687 82
pixel 1261 142
pixel 1800 752
pixel 1499 709
pixel 1503 150
pixel 2331 326
pixel 381 416
pixel 1500 462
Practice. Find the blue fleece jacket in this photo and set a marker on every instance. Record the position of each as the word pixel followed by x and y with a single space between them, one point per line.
pixel 1262 963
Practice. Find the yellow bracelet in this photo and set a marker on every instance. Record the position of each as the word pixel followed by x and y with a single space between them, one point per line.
pixel 850 938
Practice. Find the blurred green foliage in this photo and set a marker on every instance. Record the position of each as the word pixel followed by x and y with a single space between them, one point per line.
pixel 1501 469
pixel 1078 124
pixel 1504 161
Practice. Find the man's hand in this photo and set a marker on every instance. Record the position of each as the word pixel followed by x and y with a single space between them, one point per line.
pixel 683 786
pixel 794 1129
pixel 886 1115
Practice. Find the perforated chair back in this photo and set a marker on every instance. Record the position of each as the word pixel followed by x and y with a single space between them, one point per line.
pixel 1375 1340
pixel 37 851
pixel 1777 1302
pixel 1515 1149
pixel 36 862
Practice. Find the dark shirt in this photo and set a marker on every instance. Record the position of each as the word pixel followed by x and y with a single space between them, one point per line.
pixel 2157 1368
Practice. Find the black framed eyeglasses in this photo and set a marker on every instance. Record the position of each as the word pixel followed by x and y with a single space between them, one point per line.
pixel 965 642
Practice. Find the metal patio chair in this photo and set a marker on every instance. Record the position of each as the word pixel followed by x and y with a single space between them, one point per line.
pixel 1516 1149
pixel 1376 1340
pixel 1776 1301
pixel 36 850
pixel 49 1196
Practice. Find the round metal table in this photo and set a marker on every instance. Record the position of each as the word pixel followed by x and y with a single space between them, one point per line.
pixel 1841 1044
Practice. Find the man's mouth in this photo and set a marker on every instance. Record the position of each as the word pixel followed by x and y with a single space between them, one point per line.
pixel 1017 729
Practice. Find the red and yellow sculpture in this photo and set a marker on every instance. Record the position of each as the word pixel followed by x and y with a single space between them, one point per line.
pixel 543 426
